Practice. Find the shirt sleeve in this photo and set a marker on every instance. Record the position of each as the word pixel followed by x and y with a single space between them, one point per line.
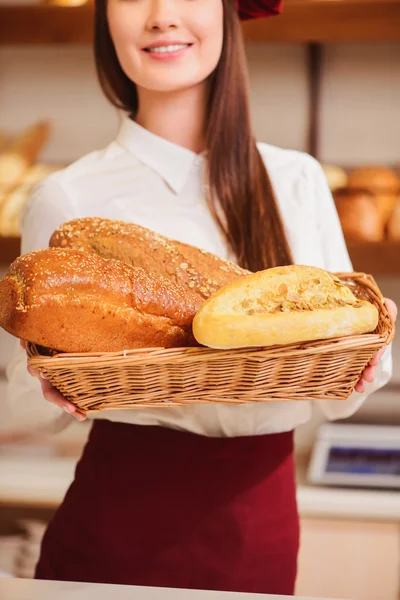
pixel 25 407
pixel 336 259
pixel 254 9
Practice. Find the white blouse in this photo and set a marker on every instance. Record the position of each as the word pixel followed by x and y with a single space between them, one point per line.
pixel 145 179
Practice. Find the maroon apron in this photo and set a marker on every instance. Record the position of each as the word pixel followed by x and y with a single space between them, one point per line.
pixel 156 507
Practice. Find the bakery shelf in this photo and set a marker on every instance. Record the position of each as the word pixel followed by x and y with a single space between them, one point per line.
pixel 45 24
pixel 9 249
pixel 329 21
pixel 302 21
pixel 376 258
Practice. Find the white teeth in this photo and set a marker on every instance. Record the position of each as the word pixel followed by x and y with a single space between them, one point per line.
pixel 172 48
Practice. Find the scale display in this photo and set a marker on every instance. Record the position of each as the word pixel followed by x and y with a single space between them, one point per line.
pixel 355 454
pixel 363 461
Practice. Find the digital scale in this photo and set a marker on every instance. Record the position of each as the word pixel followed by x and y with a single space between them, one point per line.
pixel 356 455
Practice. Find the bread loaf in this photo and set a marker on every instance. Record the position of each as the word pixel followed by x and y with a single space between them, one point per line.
pixel 383 182
pixel 14 200
pixel 335 176
pixel 73 301
pixel 282 305
pixel 394 224
pixel 197 270
pixel 359 215
pixel 21 153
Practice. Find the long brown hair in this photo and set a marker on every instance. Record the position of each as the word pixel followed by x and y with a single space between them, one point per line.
pixel 237 178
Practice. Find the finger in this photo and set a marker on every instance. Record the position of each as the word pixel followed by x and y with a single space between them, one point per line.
pixel 34 372
pixel 368 374
pixel 22 344
pixel 55 397
pixel 375 359
pixel 58 399
pixel 359 387
pixel 392 308
pixel 51 394
pixel 79 416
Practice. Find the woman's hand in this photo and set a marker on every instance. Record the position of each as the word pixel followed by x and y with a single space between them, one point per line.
pixel 369 372
pixel 52 395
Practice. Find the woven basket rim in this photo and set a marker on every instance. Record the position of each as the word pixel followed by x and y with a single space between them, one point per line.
pixel 158 377
pixel 258 352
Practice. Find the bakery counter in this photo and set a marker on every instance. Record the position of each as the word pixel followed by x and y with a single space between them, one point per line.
pixel 23 589
pixel 43 480
pixel 40 481
pixel 318 501
pixel 344 531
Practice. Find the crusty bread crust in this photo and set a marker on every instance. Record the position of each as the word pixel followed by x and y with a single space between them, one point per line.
pixel 75 301
pixel 198 270
pixel 280 306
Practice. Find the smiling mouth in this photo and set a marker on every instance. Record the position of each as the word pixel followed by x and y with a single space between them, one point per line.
pixel 166 49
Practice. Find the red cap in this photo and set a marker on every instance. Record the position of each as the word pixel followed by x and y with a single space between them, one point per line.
pixel 255 9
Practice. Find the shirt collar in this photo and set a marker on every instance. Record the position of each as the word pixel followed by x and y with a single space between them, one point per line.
pixel 172 162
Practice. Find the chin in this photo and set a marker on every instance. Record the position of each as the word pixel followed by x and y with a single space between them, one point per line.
pixel 172 84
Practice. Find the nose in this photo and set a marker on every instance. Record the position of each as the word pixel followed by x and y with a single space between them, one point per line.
pixel 163 16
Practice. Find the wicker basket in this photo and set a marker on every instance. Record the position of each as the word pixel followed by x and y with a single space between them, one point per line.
pixel 321 370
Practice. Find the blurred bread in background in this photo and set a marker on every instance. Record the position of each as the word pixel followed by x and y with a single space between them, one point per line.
pixel 394 224
pixel 367 197
pixel 367 200
pixel 383 182
pixel 15 200
pixel 359 215
pixel 21 152
pixel 20 171
pixel 336 177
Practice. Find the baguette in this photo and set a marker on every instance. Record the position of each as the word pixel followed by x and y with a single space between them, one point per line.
pixel 73 301
pixel 282 305
pixel 197 270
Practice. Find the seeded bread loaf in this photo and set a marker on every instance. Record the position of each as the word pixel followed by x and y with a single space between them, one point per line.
pixel 282 305
pixel 197 270
pixel 74 301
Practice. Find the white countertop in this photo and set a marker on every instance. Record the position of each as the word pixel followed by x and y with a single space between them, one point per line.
pixel 350 503
pixel 27 589
pixel 43 481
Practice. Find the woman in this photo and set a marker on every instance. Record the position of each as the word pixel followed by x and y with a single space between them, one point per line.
pixel 202 496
